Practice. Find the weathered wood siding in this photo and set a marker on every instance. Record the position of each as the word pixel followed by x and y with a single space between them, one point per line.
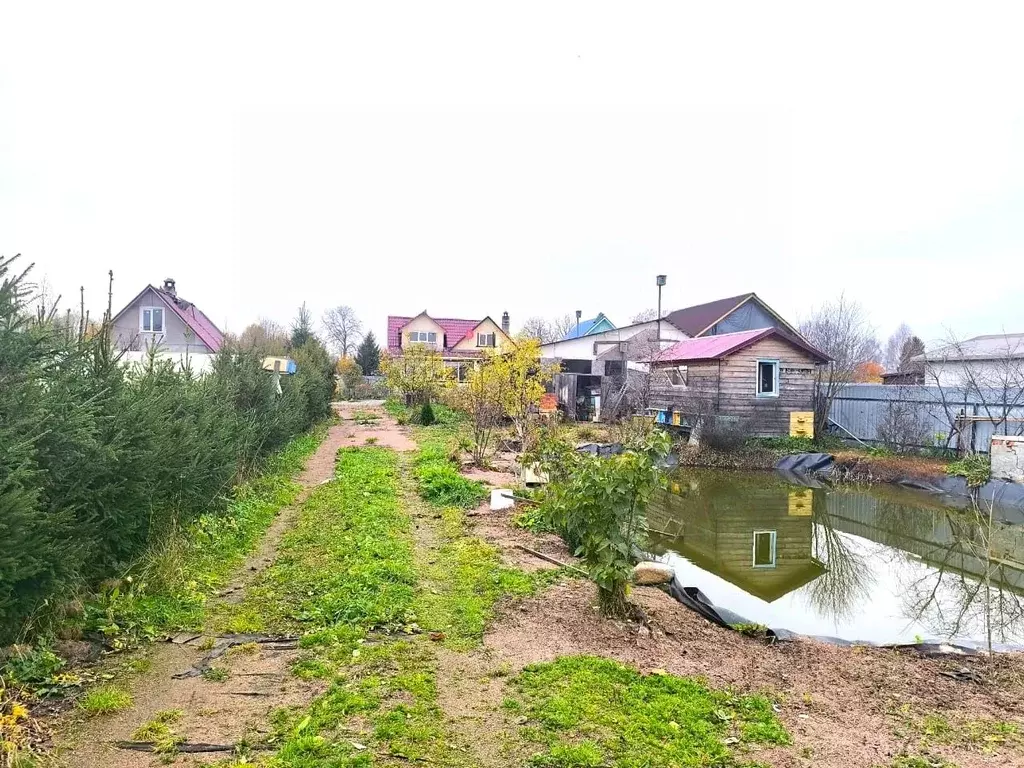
pixel 729 387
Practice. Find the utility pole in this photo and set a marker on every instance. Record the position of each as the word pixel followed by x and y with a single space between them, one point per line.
pixel 660 280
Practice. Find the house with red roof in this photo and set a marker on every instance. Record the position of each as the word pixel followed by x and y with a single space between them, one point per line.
pixel 754 380
pixel 159 317
pixel 458 340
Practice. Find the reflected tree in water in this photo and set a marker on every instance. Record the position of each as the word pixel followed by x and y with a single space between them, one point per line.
pixel 976 589
pixel 846 584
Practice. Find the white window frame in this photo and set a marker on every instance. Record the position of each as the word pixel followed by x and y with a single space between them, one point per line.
pixel 482 339
pixel 681 372
pixel 151 310
pixel 775 378
pixel 753 550
pixel 415 337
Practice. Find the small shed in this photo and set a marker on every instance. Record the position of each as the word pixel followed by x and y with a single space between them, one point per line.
pixel 754 378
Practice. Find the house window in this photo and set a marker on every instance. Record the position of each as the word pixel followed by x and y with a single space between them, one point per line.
pixel 152 320
pixel 764 549
pixel 767 378
pixel 426 337
pixel 677 376
pixel 614 367
pixel 485 339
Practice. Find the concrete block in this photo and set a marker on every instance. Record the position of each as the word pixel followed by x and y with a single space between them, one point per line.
pixel 1007 455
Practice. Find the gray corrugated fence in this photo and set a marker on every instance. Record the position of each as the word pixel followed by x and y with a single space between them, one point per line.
pixel 926 416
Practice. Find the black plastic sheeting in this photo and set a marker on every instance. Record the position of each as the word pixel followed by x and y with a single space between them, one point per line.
pixel 805 463
pixel 697 601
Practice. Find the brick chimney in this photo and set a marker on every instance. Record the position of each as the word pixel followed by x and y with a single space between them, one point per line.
pixel 169 287
pixel 505 323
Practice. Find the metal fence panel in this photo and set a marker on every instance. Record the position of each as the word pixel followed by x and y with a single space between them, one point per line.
pixel 862 410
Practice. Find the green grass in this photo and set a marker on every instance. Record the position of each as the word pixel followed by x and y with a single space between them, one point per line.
pixel 463 580
pixel 976 467
pixel 347 561
pixel 438 478
pixel 588 711
pixel 105 700
pixel 159 732
pixel 168 590
pixel 216 674
pixel 344 571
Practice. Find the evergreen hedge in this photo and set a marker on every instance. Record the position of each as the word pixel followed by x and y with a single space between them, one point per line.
pixel 98 460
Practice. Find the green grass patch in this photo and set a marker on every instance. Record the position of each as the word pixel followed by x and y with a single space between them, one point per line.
pixel 168 589
pixel 976 467
pixel 463 580
pixel 347 561
pixel 105 700
pixel 438 478
pixel 588 711
pixel 159 732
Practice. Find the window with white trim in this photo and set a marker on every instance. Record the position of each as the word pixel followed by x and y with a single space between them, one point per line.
pixel 764 549
pixel 424 337
pixel 485 340
pixel 151 319
pixel 767 378
pixel 677 376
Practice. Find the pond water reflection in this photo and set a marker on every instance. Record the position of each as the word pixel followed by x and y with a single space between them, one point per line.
pixel 878 564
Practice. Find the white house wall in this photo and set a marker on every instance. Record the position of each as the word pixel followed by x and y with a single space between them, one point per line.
pixel 584 347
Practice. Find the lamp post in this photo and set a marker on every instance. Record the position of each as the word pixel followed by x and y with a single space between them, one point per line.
pixel 660 280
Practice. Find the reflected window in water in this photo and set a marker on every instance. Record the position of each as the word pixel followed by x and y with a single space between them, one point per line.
pixel 764 549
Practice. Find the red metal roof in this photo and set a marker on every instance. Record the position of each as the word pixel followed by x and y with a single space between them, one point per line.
pixel 725 344
pixel 455 330
pixel 195 319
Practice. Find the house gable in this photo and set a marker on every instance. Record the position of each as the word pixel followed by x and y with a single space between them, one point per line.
pixel 185 328
pixel 487 326
pixel 736 313
pixel 423 323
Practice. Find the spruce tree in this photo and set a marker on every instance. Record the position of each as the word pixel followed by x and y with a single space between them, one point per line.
pixel 368 355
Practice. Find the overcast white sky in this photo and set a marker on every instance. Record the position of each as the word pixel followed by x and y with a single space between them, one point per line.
pixel 538 159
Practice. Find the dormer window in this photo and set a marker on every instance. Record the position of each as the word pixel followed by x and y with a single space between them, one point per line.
pixel 152 320
pixel 485 340
pixel 422 337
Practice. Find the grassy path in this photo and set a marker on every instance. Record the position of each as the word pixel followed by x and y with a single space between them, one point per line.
pixel 389 595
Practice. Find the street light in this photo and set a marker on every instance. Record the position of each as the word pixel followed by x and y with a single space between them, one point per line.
pixel 660 280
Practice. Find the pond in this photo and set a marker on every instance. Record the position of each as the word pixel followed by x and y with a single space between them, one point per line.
pixel 877 564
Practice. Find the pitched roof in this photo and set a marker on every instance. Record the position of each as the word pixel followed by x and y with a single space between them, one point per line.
pixel 455 330
pixel 193 317
pixel 695 320
pixel 725 344
pixel 999 346
pixel 586 327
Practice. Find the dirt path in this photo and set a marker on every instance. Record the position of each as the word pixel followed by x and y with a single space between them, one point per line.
pixel 252 679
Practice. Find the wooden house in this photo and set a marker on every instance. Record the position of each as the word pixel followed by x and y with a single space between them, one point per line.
pixel 759 538
pixel 754 378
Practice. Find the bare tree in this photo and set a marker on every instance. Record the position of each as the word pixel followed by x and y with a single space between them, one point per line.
pixel 894 347
pixel 561 325
pixel 990 377
pixel 266 336
pixel 548 330
pixel 537 328
pixel 840 329
pixel 645 315
pixel 343 329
